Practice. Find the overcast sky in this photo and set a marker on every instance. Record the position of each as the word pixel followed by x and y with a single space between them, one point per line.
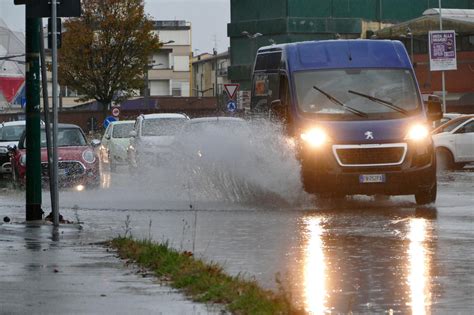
pixel 209 19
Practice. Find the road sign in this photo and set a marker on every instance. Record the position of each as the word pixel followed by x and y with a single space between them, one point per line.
pixel 442 45
pixel 231 106
pixel 108 120
pixel 115 111
pixel 42 8
pixel 231 90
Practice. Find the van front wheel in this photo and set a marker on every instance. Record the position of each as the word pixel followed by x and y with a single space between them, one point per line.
pixel 427 196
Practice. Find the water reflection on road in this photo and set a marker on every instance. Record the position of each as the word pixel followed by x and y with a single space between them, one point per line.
pixel 314 267
pixel 419 266
pixel 367 260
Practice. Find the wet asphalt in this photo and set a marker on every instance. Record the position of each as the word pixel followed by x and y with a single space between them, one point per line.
pixel 355 255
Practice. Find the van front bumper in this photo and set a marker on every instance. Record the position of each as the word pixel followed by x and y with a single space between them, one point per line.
pixel 322 174
pixel 407 182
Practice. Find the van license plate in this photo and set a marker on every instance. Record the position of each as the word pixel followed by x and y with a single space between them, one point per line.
pixel 372 178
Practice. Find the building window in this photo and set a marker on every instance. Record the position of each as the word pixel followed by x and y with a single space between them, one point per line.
pixel 176 88
pixel 176 92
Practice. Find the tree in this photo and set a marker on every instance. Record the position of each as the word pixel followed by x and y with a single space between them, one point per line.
pixel 105 51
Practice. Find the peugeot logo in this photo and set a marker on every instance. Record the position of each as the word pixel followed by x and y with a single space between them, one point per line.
pixel 369 135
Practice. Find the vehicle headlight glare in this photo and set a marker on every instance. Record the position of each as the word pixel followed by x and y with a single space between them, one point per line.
pixel 418 133
pixel 315 137
pixel 88 156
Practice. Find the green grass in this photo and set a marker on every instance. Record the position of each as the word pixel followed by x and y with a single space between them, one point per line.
pixel 203 282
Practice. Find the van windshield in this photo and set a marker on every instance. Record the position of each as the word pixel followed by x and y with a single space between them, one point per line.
pixel 378 93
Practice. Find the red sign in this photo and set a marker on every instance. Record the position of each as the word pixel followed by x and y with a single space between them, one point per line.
pixel 115 112
pixel 9 86
pixel 231 90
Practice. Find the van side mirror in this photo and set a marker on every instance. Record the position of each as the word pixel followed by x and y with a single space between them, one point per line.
pixel 434 110
pixel 132 134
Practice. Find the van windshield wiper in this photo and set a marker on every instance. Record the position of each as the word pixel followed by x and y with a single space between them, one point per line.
pixel 338 102
pixel 381 101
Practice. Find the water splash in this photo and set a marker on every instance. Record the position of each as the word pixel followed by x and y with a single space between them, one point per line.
pixel 247 165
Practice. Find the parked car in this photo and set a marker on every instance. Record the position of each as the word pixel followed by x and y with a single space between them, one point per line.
pixel 446 117
pixel 151 139
pixel 113 149
pixel 77 162
pixel 454 142
pixel 10 134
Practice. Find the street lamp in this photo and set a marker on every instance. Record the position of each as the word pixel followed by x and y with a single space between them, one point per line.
pixel 168 42
pixel 146 93
pixel 251 36
pixel 410 34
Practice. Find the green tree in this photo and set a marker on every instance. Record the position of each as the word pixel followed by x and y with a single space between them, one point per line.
pixel 105 51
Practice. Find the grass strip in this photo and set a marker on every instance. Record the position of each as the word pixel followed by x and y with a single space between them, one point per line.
pixel 203 282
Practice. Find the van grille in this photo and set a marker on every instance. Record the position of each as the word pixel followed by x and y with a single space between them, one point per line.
pixel 370 155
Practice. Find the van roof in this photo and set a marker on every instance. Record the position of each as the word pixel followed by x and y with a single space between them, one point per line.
pixel 334 54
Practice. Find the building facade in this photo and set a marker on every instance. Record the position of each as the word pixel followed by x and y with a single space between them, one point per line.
pixel 168 71
pixel 169 68
pixel 210 74
pixel 260 23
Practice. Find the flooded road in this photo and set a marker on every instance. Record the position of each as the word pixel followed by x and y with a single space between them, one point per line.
pixel 240 203
pixel 357 255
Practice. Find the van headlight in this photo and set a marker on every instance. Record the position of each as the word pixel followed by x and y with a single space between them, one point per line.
pixel 315 137
pixel 88 156
pixel 417 133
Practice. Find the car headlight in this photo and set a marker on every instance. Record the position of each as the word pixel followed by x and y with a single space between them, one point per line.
pixel 418 133
pixel 23 160
pixel 315 137
pixel 88 156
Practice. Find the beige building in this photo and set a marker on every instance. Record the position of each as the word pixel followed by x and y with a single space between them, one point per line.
pixel 168 70
pixel 209 74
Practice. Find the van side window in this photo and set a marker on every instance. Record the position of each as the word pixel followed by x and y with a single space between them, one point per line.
pixel 266 88
pixel 284 90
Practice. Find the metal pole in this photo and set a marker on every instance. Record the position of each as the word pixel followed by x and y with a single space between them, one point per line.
pixel 47 117
pixel 215 88
pixel 443 78
pixel 32 111
pixel 145 96
pixel 54 41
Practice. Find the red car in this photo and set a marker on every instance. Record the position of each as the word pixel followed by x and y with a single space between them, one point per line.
pixel 78 164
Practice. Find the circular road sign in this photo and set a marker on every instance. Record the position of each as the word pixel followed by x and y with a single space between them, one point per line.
pixel 231 106
pixel 108 120
pixel 115 112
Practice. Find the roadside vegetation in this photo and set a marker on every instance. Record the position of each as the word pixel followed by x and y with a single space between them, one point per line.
pixel 203 282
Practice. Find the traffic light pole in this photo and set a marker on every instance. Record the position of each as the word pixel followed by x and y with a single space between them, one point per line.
pixel 54 179
pixel 32 111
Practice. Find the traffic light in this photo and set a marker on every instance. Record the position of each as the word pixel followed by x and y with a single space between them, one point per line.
pixel 50 33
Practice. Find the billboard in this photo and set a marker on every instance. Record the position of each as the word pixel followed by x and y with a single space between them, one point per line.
pixel 442 46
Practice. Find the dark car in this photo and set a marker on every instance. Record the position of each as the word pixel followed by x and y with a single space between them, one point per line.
pixel 78 164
